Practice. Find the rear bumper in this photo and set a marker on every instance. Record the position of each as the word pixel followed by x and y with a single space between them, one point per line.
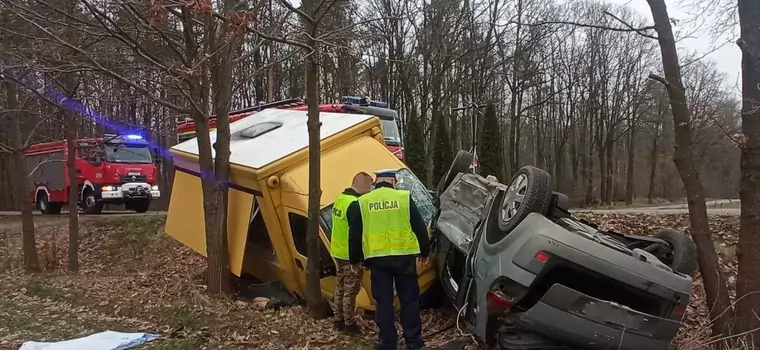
pixel 545 236
pixel 576 318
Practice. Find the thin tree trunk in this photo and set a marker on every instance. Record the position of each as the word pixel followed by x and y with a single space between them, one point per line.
pixel 70 130
pixel 29 244
pixel 715 282
pixel 611 169
pixel 653 160
pixel 748 280
pixel 629 183
pixel 318 307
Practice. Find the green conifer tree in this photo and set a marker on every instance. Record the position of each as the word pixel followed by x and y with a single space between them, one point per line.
pixel 414 148
pixel 442 155
pixel 490 148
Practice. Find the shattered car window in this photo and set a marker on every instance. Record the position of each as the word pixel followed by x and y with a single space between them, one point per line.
pixel 405 180
pixel 325 216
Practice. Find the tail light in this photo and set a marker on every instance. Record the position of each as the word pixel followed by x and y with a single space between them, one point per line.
pixel 678 311
pixel 503 294
pixel 498 302
pixel 542 257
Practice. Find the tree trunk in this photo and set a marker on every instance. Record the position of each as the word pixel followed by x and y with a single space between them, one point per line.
pixel 31 262
pixel 629 181
pixel 748 280
pixel 602 174
pixel 70 130
pixel 318 307
pixel 611 170
pixel 715 283
pixel 653 160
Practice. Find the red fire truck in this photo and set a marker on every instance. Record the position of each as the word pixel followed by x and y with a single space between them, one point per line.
pixel 114 169
pixel 349 104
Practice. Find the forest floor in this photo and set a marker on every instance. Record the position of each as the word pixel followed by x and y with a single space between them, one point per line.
pixel 133 278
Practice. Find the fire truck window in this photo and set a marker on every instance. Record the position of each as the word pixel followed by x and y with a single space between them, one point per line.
pixel 258 236
pixel 129 154
pixel 90 152
pixel 298 226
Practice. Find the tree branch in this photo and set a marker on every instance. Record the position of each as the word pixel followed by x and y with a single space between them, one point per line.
pixel 104 69
pixel 639 31
pixel 659 79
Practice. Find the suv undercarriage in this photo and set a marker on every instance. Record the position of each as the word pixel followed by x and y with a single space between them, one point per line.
pixel 524 274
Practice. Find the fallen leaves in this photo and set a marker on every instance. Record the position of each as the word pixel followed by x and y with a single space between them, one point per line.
pixel 134 278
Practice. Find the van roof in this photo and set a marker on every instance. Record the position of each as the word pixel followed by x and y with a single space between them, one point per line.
pixel 273 134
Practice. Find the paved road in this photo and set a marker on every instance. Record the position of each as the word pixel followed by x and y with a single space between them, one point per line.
pixel 715 207
pixel 650 211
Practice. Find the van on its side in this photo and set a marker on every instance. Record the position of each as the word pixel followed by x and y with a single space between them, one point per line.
pixel 268 195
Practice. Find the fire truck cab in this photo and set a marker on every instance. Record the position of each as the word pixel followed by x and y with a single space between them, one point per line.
pixel 114 169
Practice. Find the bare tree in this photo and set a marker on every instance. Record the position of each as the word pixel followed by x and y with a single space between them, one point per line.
pixel 714 278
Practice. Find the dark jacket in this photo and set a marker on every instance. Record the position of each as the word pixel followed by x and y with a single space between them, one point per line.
pixel 354 216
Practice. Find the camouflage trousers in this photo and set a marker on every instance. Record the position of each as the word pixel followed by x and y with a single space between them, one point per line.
pixel 349 283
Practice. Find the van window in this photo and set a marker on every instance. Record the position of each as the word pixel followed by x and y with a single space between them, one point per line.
pixel 298 226
pixel 325 216
pixel 258 238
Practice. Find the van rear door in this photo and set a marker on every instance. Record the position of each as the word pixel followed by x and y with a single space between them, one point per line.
pixel 185 221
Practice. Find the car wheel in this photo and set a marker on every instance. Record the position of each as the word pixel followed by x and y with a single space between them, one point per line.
pixel 683 257
pixel 529 192
pixel 90 203
pixel 461 164
pixel 141 206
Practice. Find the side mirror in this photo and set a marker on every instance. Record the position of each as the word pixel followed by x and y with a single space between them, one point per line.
pixel 94 160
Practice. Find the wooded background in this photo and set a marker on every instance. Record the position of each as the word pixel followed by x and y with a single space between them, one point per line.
pixel 568 94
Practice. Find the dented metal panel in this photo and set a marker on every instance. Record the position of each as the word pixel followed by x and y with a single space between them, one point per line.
pixel 462 206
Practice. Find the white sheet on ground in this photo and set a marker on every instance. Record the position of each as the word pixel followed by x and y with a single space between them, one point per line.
pixel 108 340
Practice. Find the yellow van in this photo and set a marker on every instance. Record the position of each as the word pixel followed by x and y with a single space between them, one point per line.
pixel 268 194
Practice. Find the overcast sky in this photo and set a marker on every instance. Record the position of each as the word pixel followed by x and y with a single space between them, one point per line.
pixel 727 55
pixel 722 50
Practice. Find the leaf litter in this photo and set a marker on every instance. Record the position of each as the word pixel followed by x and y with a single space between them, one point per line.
pixel 134 278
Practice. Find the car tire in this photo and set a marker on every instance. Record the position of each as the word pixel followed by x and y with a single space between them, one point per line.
pixel 461 164
pixel 141 206
pixel 90 203
pixel 684 251
pixel 530 191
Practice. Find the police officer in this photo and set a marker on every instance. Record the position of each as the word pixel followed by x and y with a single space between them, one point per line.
pixel 388 234
pixel 349 275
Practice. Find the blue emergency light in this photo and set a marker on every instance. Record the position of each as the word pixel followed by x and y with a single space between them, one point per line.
pixel 363 101
pixel 134 137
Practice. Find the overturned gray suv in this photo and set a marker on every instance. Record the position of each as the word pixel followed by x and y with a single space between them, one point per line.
pixel 524 274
